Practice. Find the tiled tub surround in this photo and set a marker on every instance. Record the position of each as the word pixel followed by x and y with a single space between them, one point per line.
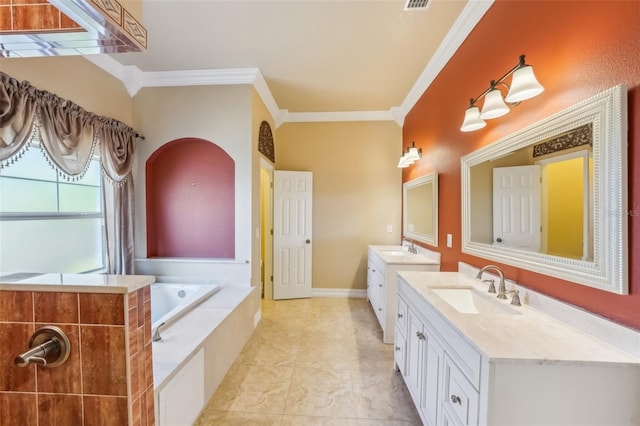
pixel 526 367
pixel 197 351
pixel 108 378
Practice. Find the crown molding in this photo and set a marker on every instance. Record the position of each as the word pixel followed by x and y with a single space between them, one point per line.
pixel 473 11
pixel 134 79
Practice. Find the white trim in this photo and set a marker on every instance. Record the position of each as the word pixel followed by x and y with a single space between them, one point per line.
pixel 468 19
pixel 260 85
pixel 200 77
pixel 339 292
pixel 134 79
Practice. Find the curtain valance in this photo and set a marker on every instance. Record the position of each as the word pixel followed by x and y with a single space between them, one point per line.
pixel 69 136
pixel 68 133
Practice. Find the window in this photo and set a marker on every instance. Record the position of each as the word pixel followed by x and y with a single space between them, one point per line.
pixel 49 224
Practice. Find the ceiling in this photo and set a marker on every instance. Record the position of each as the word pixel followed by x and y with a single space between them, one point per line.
pixel 316 56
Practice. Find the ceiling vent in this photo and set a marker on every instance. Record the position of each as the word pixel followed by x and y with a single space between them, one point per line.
pixel 416 4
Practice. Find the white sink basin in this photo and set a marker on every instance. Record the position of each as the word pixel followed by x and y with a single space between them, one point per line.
pixel 468 300
pixel 395 252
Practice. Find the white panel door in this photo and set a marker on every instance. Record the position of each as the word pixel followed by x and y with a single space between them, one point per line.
pixel 292 205
pixel 517 207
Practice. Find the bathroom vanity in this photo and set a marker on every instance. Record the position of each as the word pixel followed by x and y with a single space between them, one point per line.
pixel 383 264
pixel 470 359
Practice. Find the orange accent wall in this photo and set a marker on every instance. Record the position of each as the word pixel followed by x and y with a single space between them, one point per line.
pixel 577 49
pixel 190 187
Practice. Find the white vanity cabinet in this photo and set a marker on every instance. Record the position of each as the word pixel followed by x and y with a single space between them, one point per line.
pixel 439 388
pixel 477 369
pixel 383 264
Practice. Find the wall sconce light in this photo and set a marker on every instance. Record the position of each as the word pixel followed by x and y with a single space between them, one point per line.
pixel 409 157
pixel 523 86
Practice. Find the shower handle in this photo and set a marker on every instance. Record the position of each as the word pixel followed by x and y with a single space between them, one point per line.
pixel 49 347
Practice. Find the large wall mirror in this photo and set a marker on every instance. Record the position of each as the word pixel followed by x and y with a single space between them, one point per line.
pixel 552 198
pixel 420 209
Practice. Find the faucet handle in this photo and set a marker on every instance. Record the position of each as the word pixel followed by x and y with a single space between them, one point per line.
pixel 515 300
pixel 492 286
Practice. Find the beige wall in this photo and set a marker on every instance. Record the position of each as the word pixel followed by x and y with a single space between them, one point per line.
pixel 357 191
pixel 77 80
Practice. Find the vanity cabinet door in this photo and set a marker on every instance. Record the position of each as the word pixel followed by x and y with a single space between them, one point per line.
pixel 379 296
pixel 371 268
pixel 400 351
pixel 401 314
pixel 416 345
pixel 432 381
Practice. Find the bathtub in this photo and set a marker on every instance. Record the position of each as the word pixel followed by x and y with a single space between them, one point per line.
pixel 171 300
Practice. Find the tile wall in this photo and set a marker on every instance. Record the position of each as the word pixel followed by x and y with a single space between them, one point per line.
pixel 108 378
pixel 30 15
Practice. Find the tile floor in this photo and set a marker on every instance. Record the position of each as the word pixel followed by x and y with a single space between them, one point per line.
pixel 318 361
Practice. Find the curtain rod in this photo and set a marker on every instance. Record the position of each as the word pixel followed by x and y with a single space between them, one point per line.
pixel 28 86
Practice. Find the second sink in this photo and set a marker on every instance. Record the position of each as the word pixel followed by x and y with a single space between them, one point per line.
pixel 468 300
pixel 395 252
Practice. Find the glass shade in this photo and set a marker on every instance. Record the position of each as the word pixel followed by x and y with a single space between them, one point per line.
pixel 472 120
pixel 523 85
pixel 413 154
pixel 494 105
pixel 403 162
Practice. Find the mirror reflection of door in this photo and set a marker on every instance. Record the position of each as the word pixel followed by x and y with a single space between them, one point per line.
pixel 517 207
pixel 545 207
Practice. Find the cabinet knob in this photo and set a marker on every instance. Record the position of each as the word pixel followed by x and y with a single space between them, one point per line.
pixel 420 335
pixel 397 348
pixel 380 309
pixel 379 285
pixel 373 270
pixel 456 399
pixel 399 315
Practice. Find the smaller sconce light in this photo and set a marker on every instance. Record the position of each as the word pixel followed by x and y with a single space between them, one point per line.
pixel 409 157
pixel 523 86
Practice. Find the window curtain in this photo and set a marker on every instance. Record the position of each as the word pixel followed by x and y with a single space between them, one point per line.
pixel 69 136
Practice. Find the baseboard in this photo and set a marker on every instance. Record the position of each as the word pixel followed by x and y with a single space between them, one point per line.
pixel 338 292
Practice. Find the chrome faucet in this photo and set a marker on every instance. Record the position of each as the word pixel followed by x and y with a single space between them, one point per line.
pixel 412 247
pixel 156 334
pixel 502 290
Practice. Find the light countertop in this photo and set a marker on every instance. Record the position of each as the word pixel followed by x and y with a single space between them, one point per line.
pixel 81 283
pixel 390 255
pixel 525 336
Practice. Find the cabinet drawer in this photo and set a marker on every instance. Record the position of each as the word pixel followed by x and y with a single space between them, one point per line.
pixel 460 398
pixel 401 315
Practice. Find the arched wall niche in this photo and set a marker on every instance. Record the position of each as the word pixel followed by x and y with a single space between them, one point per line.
pixel 190 199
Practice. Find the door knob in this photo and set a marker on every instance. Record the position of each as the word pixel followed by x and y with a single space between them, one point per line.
pixel 308 241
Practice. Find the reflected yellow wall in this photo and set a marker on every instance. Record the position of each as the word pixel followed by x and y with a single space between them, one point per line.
pixel 357 191
pixel 564 213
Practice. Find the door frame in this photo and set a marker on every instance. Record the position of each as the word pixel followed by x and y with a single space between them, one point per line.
pixel 266 234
